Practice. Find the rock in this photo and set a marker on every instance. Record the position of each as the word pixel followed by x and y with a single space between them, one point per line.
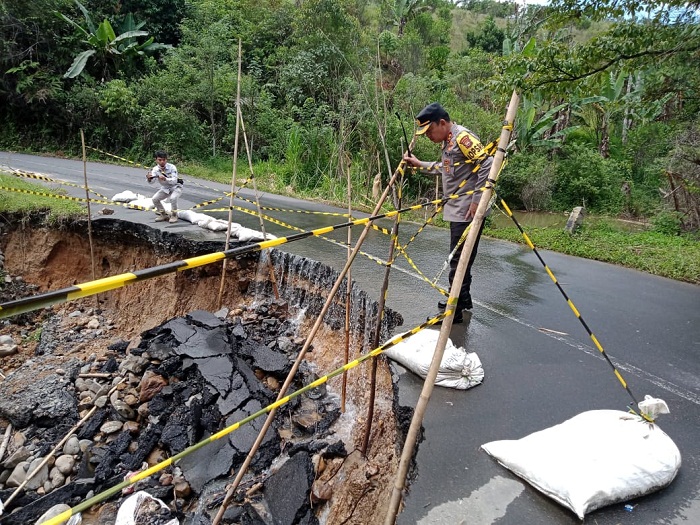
pixel 40 477
pixel 21 454
pixel 6 340
pixel 19 474
pixel 65 464
pixel 18 439
pixel 132 427
pixel 575 219
pixel 4 474
pixel 182 489
pixel 101 401
pixel 84 444
pixel 151 384
pixel 52 513
pixel 166 479
pixel 123 409
pixel 6 349
pixel 131 400
pixel 93 324
pixel 56 478
pixel 287 490
pixel 47 403
pixel 72 446
pixel 134 364
pixel 110 427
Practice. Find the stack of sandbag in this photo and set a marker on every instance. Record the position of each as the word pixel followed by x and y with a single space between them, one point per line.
pixel 137 200
pixel 459 369
pixel 208 222
pixel 592 460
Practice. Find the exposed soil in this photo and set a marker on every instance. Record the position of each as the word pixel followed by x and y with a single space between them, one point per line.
pixel 347 490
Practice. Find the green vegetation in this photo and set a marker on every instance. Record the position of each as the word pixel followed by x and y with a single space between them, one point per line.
pixel 673 256
pixel 16 202
pixel 608 116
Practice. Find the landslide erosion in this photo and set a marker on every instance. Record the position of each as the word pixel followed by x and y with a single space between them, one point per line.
pixel 154 367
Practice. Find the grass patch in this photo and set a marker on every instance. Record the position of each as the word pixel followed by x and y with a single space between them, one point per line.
pixel 17 202
pixel 676 257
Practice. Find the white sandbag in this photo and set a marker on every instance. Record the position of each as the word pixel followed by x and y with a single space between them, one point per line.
pixel 246 234
pixel 218 225
pixel 192 216
pixel 458 369
pixel 127 196
pixel 147 203
pixel 592 460
pixel 141 504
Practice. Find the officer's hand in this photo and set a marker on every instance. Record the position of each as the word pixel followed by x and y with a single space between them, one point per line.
pixel 410 160
pixel 472 211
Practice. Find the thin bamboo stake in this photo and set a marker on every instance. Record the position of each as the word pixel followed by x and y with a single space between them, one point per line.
pixel 302 353
pixel 60 444
pixel 270 267
pixel 348 301
pixel 380 315
pixel 5 440
pixel 428 384
pixel 87 198
pixel 233 180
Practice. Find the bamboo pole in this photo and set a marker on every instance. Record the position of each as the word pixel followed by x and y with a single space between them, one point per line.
pixel 302 352
pixel 380 315
pixel 233 180
pixel 270 267
pixel 5 440
pixel 87 198
pixel 348 300
pixel 428 384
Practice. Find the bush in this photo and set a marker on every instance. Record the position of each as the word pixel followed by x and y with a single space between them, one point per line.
pixel 527 181
pixel 584 178
pixel 667 223
pixel 174 130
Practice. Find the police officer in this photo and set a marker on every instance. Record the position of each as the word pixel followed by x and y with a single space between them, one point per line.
pixel 464 167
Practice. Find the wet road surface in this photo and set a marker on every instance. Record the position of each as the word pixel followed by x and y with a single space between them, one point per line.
pixel 541 367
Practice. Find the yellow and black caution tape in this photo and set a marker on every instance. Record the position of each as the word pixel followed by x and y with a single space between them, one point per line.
pixel 74 199
pixel 79 291
pixel 420 276
pixel 66 515
pixel 38 176
pixel 136 164
pixel 575 310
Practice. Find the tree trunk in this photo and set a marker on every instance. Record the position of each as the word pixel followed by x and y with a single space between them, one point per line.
pixel 604 138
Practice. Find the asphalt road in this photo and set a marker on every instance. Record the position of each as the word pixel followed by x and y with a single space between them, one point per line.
pixel 541 367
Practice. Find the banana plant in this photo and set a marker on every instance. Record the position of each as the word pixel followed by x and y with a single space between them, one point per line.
pixel 106 44
pixel 532 130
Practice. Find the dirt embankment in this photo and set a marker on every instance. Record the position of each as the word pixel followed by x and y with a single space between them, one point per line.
pixel 352 489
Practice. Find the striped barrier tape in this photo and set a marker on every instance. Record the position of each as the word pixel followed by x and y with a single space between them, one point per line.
pixel 89 288
pixel 66 515
pixel 38 176
pixel 574 310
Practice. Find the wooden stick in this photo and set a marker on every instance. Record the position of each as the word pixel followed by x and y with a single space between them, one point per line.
pixel 87 198
pixel 270 267
pixel 348 302
pixel 429 383
pixel 302 353
pixel 5 440
pixel 233 181
pixel 380 315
